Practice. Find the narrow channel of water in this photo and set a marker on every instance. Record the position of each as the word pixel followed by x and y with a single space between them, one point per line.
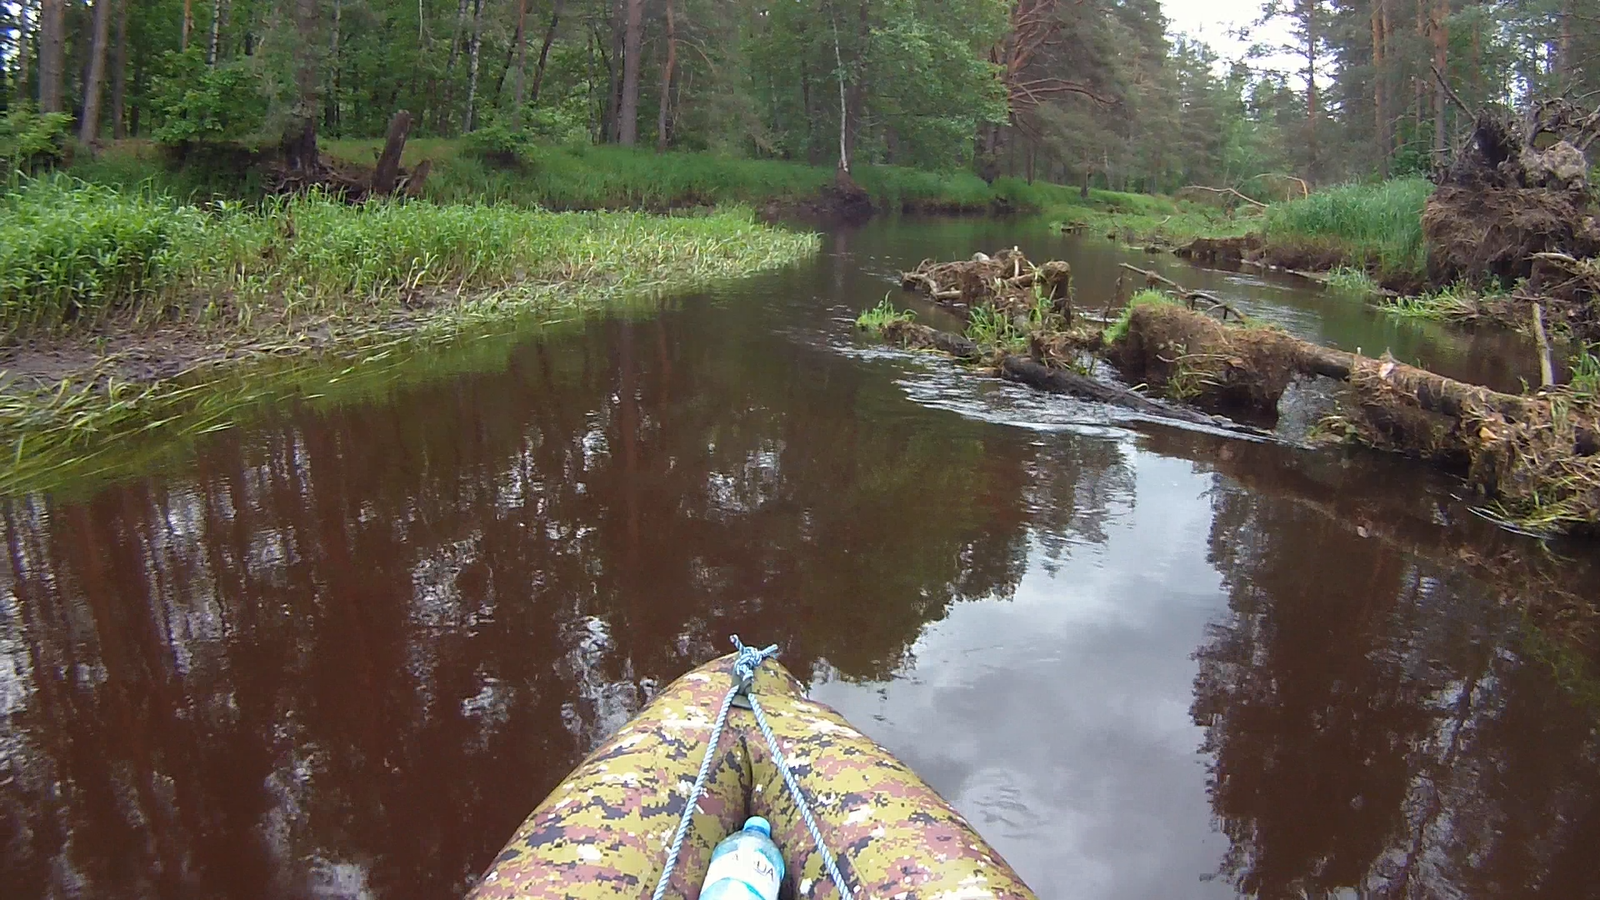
pixel 345 651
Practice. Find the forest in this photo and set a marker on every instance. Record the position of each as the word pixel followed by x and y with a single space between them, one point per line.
pixel 1092 91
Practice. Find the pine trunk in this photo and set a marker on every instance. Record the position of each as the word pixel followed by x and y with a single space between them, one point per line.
pixel 1441 62
pixel 522 64
pixel 1380 75
pixel 664 115
pixel 52 54
pixel 330 116
pixel 119 75
pixel 188 25
pixel 300 138
pixel 1564 60
pixel 472 64
pixel 89 128
pixel 1313 99
pixel 544 51
pixel 632 43
pixel 23 46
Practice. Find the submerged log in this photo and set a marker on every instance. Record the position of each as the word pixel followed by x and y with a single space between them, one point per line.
pixel 921 337
pixel 1023 370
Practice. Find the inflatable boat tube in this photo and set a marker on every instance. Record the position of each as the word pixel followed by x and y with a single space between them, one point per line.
pixel 603 833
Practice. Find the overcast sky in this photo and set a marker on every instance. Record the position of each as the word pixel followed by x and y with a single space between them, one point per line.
pixel 1214 22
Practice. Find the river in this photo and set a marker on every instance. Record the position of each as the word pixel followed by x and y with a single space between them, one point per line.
pixel 342 651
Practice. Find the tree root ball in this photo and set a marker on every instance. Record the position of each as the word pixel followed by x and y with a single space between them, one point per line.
pixel 1195 358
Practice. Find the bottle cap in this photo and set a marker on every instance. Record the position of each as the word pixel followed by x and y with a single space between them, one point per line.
pixel 756 823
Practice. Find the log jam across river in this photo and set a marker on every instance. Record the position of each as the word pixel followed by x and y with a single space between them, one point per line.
pixel 343 650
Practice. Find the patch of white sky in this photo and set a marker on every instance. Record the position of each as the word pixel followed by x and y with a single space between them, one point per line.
pixel 1231 28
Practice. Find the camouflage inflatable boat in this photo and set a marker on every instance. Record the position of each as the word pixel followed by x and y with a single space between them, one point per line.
pixel 603 833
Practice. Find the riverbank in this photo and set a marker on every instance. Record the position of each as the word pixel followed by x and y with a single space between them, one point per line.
pixel 121 311
pixel 586 178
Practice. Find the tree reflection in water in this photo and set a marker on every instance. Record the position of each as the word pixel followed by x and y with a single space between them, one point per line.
pixel 1377 721
pixel 352 651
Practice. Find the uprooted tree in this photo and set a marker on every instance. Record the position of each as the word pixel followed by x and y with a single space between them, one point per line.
pixel 1516 205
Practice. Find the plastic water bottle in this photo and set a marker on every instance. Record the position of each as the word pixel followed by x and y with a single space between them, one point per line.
pixel 745 866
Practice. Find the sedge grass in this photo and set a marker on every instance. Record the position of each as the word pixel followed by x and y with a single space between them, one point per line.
pixel 1378 227
pixel 1118 330
pixel 88 263
pixel 884 315
pixel 73 255
pixel 1586 371
pixel 1455 303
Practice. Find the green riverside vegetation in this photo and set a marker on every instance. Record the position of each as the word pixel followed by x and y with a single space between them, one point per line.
pixel 879 317
pixel 1375 227
pixel 100 267
pixel 585 177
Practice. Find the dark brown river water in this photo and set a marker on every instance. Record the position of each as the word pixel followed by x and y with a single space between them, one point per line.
pixel 343 651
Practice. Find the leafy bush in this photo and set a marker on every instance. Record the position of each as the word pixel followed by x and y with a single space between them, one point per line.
pixel 553 125
pixel 496 143
pixel 196 102
pixel 30 141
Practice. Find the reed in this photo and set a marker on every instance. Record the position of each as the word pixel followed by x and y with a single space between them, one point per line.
pixel 1377 227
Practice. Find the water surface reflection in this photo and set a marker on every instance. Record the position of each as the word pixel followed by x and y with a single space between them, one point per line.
pixel 346 651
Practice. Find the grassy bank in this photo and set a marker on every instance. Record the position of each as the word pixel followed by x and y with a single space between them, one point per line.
pixel 1376 228
pixel 107 279
pixel 1144 219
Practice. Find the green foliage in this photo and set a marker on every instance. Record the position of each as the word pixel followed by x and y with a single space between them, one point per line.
pixel 1586 371
pixel 499 145
pixel 196 102
pixel 1119 329
pixel 990 328
pixel 1454 303
pixel 72 253
pixel 1351 280
pixel 879 317
pixel 30 141
pixel 1375 226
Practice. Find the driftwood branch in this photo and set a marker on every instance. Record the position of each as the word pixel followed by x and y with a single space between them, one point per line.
pixel 1229 191
pixel 1305 189
pixel 1154 278
pixel 1450 91
pixel 1547 369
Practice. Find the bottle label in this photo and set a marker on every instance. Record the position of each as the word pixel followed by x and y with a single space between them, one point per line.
pixel 749 865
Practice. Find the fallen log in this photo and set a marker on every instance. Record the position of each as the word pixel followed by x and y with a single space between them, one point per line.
pixel 921 337
pixel 1026 371
pixel 1226 191
pixel 1538 455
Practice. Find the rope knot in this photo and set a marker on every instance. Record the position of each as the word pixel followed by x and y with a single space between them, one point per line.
pixel 749 660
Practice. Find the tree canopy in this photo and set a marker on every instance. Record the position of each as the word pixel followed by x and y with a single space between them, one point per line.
pixel 1063 90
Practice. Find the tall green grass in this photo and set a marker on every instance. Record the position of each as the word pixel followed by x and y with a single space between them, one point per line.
pixel 577 177
pixel 73 254
pixel 885 314
pixel 1141 218
pixel 1378 227
pixel 1586 371
pixel 296 275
